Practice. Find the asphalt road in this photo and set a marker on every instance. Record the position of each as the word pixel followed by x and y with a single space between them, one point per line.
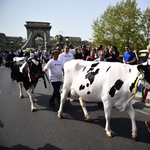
pixel 26 130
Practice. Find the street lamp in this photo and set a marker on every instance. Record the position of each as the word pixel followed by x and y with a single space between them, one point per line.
pixel 45 44
pixel 67 39
pixel 11 42
pixel 20 45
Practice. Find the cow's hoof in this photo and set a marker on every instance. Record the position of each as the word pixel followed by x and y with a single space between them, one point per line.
pixel 89 119
pixel 21 96
pixel 110 135
pixel 33 110
pixel 60 116
pixel 134 137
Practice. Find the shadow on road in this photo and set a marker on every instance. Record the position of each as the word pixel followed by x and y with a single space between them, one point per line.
pixel 120 126
pixel 22 147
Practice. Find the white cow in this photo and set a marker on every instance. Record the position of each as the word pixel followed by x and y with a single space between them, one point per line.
pixel 111 83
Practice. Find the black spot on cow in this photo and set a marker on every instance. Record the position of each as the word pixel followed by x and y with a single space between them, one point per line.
pixel 118 84
pixel 84 68
pixel 112 91
pixel 132 85
pixel 81 87
pixel 88 92
pixel 129 70
pixel 92 67
pixel 91 76
pixel 87 85
pixel 108 68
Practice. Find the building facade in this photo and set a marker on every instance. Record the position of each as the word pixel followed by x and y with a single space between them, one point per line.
pixel 3 37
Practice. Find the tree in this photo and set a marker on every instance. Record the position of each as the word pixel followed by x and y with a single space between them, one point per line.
pixel 119 25
pixel 145 25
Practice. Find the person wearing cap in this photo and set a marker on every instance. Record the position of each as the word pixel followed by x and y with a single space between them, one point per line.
pixel 55 69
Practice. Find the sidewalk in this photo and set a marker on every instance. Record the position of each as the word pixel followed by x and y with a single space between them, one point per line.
pixel 138 97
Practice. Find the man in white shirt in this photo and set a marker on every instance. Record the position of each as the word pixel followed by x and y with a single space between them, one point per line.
pixel 73 52
pixel 36 53
pixel 46 55
pixel 64 57
pixel 55 68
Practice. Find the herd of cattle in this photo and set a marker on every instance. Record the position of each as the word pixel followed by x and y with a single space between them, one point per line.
pixel 107 82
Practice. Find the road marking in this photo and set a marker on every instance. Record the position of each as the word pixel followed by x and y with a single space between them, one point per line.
pixel 143 112
pixel 1 67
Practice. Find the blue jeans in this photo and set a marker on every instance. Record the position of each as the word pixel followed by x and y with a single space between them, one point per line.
pixel 56 93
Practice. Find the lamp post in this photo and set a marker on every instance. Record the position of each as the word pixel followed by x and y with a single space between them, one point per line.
pixel 67 40
pixel 11 42
pixel 45 44
pixel 20 45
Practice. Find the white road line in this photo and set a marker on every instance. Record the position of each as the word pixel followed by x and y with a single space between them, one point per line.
pixel 1 67
pixel 143 112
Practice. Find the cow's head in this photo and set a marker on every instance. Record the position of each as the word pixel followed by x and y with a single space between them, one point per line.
pixel 146 70
pixel 35 68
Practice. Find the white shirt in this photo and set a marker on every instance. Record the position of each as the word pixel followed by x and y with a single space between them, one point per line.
pixel 73 52
pixel 16 53
pixel 36 53
pixel 54 68
pixel 65 57
pixel 46 54
pixel 32 55
pixel 98 60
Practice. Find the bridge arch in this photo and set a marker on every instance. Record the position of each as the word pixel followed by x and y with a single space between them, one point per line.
pixel 35 29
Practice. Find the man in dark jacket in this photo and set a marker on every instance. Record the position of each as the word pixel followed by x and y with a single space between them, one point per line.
pixel 10 60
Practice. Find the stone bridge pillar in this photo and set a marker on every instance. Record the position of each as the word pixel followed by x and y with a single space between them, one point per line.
pixel 35 29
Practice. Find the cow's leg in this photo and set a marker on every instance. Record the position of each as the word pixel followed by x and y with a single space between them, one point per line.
pixel 31 100
pixel 62 101
pixel 107 109
pixel 131 113
pixel 82 103
pixel 32 88
pixel 20 87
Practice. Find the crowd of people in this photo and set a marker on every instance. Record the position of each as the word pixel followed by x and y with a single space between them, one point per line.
pixel 56 58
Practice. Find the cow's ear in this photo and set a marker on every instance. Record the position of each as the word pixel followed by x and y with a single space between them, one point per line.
pixel 141 68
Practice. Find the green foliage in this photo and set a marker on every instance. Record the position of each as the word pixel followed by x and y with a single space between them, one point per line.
pixel 122 24
pixel 7 45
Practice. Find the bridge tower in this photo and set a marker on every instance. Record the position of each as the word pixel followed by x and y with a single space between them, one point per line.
pixel 37 29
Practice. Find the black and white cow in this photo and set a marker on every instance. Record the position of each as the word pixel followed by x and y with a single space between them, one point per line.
pixel 27 72
pixel 111 83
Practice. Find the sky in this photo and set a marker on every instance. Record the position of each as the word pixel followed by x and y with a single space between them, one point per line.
pixel 67 17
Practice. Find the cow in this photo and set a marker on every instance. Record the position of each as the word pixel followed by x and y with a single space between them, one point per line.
pixel 26 73
pixel 112 84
